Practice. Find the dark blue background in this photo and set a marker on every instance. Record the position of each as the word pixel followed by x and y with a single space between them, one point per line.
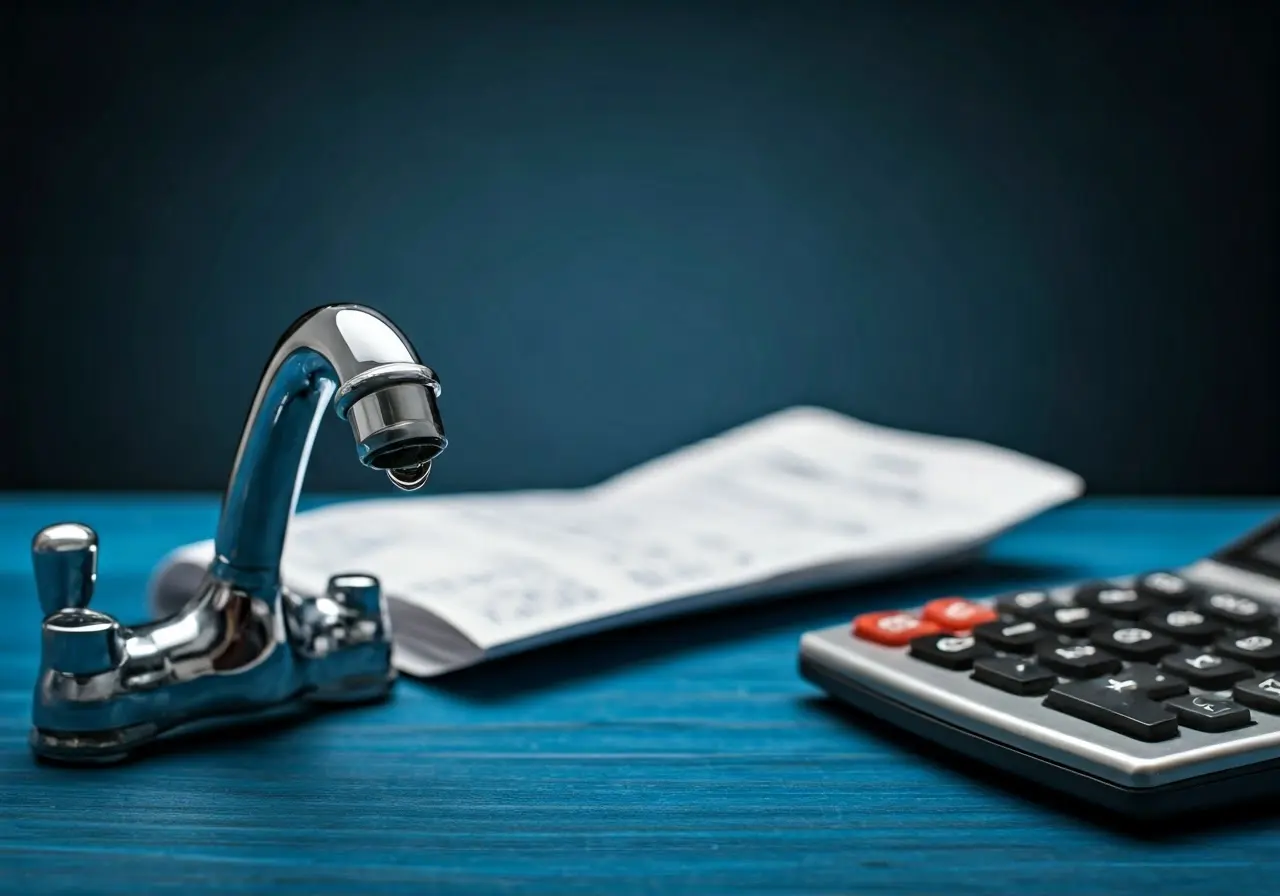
pixel 616 228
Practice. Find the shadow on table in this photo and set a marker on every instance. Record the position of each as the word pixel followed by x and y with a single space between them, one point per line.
pixel 592 655
pixel 1171 830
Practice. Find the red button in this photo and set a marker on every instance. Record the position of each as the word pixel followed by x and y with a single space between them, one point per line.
pixel 955 614
pixel 893 628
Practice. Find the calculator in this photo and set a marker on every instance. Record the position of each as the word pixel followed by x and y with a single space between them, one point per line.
pixel 1148 694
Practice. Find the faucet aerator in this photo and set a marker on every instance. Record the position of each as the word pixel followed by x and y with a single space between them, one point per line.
pixel 397 427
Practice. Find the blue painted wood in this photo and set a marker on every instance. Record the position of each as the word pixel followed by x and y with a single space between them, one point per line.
pixel 685 756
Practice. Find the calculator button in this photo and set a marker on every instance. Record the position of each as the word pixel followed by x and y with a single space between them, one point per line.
pixel 1021 603
pixel 955 614
pixel 1189 626
pixel 1134 642
pixel 1122 603
pixel 1012 635
pixel 1076 660
pixel 1261 693
pixel 892 628
pixel 954 652
pixel 1151 682
pixel 1067 620
pixel 1205 670
pixel 1205 713
pixel 1260 651
pixel 1166 587
pixel 1014 674
pixel 1234 609
pixel 1117 708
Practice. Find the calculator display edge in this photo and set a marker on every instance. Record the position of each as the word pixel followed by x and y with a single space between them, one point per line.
pixel 1257 551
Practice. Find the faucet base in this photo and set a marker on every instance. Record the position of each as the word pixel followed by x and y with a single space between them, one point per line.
pixel 228 658
pixel 120 744
pixel 91 747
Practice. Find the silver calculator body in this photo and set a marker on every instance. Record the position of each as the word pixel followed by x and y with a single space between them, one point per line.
pixel 1103 732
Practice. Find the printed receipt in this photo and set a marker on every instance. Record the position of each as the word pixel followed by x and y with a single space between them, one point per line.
pixel 801 498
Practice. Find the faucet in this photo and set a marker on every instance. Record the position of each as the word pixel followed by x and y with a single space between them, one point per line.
pixel 244 647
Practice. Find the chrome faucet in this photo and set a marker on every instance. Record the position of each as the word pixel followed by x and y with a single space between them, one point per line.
pixel 244 647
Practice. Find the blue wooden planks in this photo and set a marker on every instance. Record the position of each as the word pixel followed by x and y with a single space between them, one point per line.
pixel 683 756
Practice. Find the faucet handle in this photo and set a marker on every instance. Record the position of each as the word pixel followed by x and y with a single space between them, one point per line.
pixel 65 559
pixel 361 594
pixel 357 591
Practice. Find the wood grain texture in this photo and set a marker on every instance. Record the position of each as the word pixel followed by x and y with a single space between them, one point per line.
pixel 678 757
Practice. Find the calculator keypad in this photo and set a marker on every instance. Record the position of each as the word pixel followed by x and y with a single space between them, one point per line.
pixel 1141 659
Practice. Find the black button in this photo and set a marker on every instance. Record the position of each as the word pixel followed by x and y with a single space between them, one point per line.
pixel 1013 635
pixel 1076 659
pixel 1234 609
pixel 1118 709
pixel 1260 651
pixel 1014 674
pixel 1205 713
pixel 1151 682
pixel 1122 603
pixel 1067 620
pixel 1132 642
pixel 1021 603
pixel 1261 693
pixel 948 651
pixel 1204 670
pixel 1166 587
pixel 1189 626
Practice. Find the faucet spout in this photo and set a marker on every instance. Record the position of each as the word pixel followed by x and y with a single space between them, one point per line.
pixel 354 360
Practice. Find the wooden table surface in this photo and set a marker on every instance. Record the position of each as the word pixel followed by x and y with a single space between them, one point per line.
pixel 678 757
